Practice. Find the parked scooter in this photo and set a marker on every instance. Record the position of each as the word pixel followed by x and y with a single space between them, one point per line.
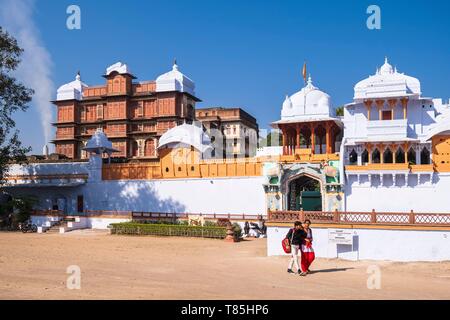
pixel 27 226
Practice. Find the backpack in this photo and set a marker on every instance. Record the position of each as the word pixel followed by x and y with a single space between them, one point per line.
pixel 286 243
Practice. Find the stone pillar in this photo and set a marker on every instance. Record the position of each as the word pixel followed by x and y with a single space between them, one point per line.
pixel 313 139
pixel 298 135
pixel 380 104
pixel 392 103
pixel 141 147
pixel 368 104
pixel 417 150
pixel 284 142
pixel 404 102
pixel 359 151
pixel 327 138
pixel 394 152
pixel 406 152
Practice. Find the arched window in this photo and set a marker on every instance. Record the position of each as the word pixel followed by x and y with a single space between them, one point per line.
pixel 425 156
pixel 412 156
pixel 387 156
pixel 353 157
pixel 400 156
pixel 365 157
pixel 376 157
pixel 149 150
pixel 134 149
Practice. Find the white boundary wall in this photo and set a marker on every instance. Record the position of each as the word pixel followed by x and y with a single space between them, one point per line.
pixel 220 195
pixel 372 244
pixel 79 223
pixel 420 196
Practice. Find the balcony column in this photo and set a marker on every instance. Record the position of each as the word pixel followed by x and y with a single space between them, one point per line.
pixel 394 151
pixel 404 102
pixel 284 141
pixel 313 139
pixel 141 146
pixel 417 150
pixel 368 104
pixel 382 150
pixel 369 152
pixel 406 152
pixel 327 138
pixel 392 103
pixel 380 104
pixel 359 151
pixel 298 135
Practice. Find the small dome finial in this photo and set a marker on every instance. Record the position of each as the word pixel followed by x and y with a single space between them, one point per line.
pixel 175 65
pixel 78 76
pixel 386 59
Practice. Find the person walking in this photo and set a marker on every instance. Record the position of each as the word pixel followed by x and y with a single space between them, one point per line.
pixel 308 254
pixel 296 236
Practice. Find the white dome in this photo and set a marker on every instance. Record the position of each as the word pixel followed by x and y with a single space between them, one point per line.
pixel 175 81
pixel 308 104
pixel 71 90
pixel 186 135
pixel 118 67
pixel 99 143
pixel 387 82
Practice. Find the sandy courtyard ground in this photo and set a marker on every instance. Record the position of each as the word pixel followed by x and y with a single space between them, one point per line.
pixel 33 266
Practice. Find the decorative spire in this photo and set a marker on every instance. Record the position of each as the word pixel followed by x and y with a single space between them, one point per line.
pixel 175 66
pixel 78 76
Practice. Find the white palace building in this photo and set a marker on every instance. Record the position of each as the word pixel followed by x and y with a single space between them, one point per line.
pixel 375 182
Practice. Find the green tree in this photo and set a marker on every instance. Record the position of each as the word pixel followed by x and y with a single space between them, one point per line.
pixel 340 111
pixel 14 96
pixel 267 141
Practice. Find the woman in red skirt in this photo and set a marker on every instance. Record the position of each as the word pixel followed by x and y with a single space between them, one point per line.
pixel 307 249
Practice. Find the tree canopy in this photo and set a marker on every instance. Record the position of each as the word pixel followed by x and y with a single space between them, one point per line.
pixel 14 96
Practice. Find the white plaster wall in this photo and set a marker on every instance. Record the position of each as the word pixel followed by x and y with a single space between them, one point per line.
pixel 103 223
pixel 46 196
pixel 49 168
pixel 422 197
pixel 42 220
pixel 220 195
pixel 373 244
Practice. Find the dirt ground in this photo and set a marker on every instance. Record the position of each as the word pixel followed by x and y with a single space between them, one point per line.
pixel 33 266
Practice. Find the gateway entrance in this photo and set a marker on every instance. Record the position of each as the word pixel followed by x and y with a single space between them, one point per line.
pixel 305 194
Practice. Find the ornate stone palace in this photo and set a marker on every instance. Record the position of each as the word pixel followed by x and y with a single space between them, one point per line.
pixel 133 115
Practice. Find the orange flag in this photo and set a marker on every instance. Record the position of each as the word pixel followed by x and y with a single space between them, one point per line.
pixel 304 72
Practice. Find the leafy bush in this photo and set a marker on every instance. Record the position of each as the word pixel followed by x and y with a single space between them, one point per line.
pixel 237 230
pixel 21 207
pixel 209 223
pixel 131 228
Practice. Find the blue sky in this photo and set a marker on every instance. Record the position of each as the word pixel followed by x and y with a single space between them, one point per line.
pixel 245 53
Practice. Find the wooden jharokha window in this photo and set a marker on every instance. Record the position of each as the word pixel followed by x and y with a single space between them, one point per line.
pixel 386 115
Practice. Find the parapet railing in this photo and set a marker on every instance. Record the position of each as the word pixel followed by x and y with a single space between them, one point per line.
pixel 206 216
pixel 370 218
pixel 55 213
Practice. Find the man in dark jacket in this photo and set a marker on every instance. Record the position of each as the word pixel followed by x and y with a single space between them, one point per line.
pixel 296 237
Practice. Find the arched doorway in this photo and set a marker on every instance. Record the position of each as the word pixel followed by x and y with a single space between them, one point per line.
pixel 304 193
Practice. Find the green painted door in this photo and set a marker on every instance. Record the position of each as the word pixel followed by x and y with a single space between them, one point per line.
pixel 311 200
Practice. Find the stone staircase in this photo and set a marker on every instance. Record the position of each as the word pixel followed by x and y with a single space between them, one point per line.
pixel 56 227
pixel 61 226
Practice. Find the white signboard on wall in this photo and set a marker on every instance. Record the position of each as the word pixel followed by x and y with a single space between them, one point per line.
pixel 340 236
